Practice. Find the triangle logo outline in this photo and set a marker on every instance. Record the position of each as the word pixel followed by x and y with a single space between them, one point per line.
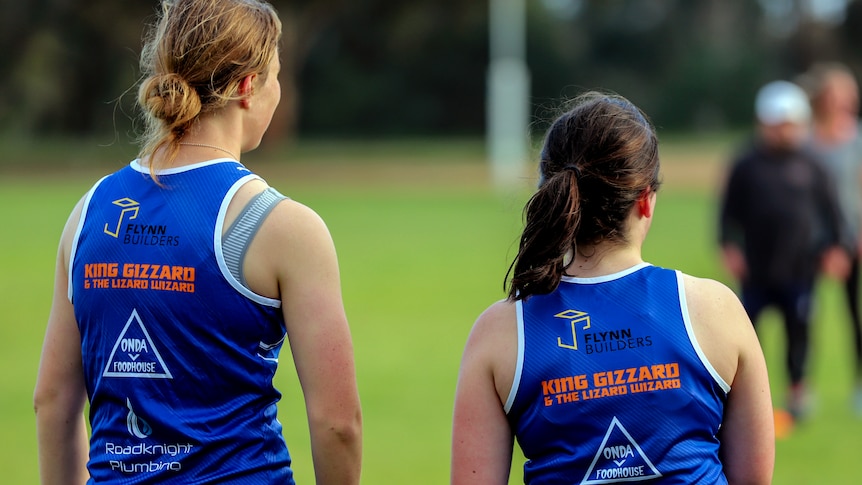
pixel 616 477
pixel 165 374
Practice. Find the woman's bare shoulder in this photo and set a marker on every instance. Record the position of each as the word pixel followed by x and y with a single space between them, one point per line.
pixel 709 295
pixel 492 346
pixel 499 318
pixel 720 324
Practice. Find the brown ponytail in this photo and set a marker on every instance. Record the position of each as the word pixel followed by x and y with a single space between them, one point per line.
pixel 552 215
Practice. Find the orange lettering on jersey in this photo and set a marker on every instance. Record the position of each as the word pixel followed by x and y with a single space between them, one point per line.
pixel 618 382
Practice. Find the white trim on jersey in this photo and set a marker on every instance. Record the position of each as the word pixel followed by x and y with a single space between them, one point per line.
pixel 693 339
pixel 519 363
pixel 219 252
pixel 84 207
pixel 605 278
pixel 136 166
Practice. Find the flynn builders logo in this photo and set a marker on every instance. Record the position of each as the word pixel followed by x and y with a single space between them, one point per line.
pixel 600 339
pixel 130 208
pixel 575 318
pixel 128 232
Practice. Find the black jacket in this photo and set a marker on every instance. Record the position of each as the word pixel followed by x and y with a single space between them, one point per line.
pixel 781 209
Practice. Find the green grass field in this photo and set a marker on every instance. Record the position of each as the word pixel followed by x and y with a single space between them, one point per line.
pixel 423 243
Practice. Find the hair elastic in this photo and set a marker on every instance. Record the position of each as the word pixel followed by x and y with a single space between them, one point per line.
pixel 575 169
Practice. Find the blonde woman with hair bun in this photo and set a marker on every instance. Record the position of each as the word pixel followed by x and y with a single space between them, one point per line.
pixel 180 277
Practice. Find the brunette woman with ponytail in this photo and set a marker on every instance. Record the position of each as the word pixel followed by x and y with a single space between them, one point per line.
pixel 604 367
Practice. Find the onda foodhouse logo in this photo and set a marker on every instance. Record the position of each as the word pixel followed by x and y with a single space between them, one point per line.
pixel 137 234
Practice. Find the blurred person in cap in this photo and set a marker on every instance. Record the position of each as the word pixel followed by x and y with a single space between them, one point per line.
pixel 779 225
pixel 837 140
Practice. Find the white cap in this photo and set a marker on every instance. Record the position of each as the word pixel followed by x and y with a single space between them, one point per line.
pixel 780 102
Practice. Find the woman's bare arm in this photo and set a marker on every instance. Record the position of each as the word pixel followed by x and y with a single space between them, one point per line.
pixel 482 439
pixel 60 394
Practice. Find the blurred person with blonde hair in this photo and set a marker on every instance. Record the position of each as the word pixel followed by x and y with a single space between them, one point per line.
pixel 837 139
pixel 180 277
pixel 779 226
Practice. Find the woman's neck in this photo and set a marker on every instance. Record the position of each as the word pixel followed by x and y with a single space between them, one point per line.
pixel 603 259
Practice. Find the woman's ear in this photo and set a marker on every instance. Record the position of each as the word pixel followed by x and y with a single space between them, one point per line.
pixel 646 202
pixel 246 90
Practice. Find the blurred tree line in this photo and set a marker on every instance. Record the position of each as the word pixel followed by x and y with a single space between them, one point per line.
pixel 387 68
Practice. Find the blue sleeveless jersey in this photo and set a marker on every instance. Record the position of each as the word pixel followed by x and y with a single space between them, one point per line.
pixel 178 356
pixel 611 385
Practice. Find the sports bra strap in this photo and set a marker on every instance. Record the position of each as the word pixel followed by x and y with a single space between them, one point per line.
pixel 239 235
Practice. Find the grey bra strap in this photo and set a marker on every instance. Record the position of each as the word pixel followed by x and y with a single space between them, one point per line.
pixel 239 235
